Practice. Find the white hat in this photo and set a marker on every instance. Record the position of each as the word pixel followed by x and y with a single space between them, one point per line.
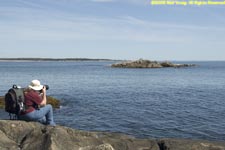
pixel 36 85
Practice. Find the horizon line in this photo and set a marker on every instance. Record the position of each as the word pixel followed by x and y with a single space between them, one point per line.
pixel 81 59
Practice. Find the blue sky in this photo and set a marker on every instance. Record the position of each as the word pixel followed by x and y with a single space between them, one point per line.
pixel 113 29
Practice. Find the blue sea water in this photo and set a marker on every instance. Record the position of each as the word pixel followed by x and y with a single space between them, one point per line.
pixel 145 103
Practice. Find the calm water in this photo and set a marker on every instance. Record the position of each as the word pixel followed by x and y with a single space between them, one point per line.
pixel 181 103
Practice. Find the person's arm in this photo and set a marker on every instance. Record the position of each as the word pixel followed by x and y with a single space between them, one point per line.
pixel 44 99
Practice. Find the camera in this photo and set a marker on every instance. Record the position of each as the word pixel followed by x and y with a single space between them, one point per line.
pixel 46 86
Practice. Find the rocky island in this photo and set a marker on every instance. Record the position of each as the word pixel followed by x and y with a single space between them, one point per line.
pixel 21 135
pixel 141 63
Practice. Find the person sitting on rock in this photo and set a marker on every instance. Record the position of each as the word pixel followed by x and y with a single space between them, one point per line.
pixel 36 107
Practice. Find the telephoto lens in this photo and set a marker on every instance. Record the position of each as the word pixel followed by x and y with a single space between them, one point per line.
pixel 47 87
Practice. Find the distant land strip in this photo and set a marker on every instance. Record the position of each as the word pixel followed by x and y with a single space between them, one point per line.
pixel 53 59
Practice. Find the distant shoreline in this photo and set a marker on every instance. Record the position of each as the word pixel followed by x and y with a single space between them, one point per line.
pixel 88 59
pixel 52 59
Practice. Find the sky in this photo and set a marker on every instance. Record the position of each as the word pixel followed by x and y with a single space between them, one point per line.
pixel 111 29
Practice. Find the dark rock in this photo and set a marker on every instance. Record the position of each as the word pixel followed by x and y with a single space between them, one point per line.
pixel 184 65
pixel 15 135
pixel 53 101
pixel 148 64
pixel 182 144
pixel 167 64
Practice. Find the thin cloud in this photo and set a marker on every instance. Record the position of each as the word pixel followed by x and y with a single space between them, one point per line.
pixel 37 24
pixel 102 1
pixel 101 29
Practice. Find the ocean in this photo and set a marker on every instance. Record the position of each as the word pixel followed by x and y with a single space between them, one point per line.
pixel 145 103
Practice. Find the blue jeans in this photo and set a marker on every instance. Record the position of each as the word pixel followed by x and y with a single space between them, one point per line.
pixel 43 115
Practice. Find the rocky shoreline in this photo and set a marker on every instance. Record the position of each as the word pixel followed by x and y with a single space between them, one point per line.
pixel 149 64
pixel 21 135
pixel 51 59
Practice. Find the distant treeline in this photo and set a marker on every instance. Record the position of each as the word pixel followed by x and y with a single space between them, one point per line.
pixel 52 59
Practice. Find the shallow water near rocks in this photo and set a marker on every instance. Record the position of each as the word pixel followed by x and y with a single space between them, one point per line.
pixel 146 103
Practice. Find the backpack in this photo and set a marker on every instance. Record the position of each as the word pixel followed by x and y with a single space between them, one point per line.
pixel 14 101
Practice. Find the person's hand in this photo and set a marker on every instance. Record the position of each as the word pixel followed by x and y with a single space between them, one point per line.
pixel 44 90
pixel 44 99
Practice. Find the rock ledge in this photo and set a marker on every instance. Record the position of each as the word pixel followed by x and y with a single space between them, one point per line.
pixel 21 135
